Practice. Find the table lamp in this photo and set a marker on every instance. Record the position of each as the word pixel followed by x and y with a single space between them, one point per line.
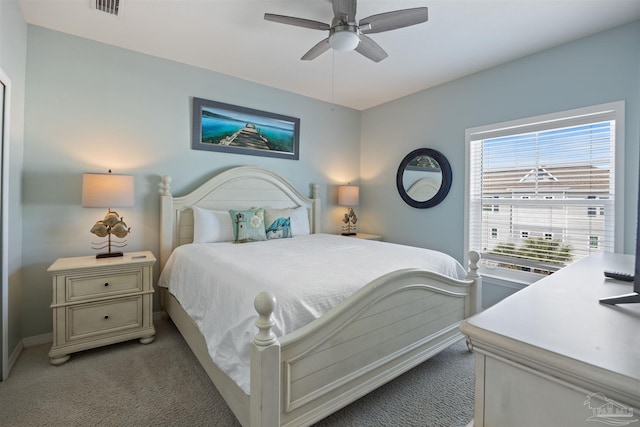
pixel 349 195
pixel 108 191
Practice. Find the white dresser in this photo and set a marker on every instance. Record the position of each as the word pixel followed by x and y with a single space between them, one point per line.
pixel 101 301
pixel 552 355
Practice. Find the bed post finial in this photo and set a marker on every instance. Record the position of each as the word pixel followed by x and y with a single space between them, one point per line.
pixel 264 400
pixel 165 185
pixel 315 191
pixel 476 289
pixel 264 303
pixel 474 259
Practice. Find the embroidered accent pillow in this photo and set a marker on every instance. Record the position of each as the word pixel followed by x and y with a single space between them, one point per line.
pixel 248 225
pixel 277 223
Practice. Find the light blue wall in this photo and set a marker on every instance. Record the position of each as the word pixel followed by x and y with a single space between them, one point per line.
pixel 590 71
pixel 92 106
pixel 13 53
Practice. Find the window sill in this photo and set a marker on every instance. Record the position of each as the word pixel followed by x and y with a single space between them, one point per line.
pixel 520 278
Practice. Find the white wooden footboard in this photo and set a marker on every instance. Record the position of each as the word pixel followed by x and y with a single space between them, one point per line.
pixel 383 330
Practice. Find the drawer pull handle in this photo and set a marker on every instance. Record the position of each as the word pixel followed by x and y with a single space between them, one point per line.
pixel 106 316
pixel 106 284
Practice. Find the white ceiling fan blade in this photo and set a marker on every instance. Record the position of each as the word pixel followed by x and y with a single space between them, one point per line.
pixel 317 50
pixel 370 49
pixel 298 22
pixel 345 10
pixel 392 20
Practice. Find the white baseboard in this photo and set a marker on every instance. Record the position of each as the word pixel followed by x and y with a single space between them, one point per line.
pixel 24 343
pixel 13 358
pixel 48 338
pixel 37 340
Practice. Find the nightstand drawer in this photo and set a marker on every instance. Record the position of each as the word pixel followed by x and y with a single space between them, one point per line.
pixel 97 286
pixel 103 317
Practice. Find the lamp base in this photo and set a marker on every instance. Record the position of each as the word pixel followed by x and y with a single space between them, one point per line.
pixel 109 255
pixel 349 234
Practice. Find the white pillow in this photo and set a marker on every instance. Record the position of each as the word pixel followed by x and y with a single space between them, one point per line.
pixel 210 226
pixel 300 221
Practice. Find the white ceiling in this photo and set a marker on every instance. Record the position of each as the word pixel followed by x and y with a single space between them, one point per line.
pixel 231 37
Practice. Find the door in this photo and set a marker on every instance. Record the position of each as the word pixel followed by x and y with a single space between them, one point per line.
pixel 4 285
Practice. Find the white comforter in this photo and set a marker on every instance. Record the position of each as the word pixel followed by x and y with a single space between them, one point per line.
pixel 216 284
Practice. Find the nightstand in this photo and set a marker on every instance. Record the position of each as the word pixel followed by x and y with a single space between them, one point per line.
pixel 366 236
pixel 101 301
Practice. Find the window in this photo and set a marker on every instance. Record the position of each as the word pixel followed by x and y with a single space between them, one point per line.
pixel 544 173
pixel 489 208
pixel 591 210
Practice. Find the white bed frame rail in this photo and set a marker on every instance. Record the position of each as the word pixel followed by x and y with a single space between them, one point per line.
pixel 389 326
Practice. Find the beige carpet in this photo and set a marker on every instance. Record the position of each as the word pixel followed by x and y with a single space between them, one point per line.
pixel 162 384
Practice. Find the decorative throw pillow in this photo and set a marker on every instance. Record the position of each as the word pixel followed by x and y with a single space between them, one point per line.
pixel 300 221
pixel 277 223
pixel 248 225
pixel 210 226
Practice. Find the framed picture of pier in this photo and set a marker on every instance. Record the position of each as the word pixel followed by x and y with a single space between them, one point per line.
pixel 232 129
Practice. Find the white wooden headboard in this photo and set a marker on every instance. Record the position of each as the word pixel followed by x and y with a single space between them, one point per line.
pixel 242 187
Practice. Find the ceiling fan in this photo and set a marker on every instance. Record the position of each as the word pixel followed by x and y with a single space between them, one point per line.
pixel 345 34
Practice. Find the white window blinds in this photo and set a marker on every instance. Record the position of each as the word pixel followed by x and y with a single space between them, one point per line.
pixel 542 195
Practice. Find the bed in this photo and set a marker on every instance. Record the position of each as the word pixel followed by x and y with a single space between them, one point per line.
pixel 423 189
pixel 383 329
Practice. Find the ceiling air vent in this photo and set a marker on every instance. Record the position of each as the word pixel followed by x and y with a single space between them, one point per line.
pixel 108 6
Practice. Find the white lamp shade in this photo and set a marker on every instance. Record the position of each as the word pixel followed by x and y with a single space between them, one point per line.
pixel 100 190
pixel 348 195
pixel 344 41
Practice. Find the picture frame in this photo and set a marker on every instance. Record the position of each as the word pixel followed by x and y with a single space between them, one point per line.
pixel 232 129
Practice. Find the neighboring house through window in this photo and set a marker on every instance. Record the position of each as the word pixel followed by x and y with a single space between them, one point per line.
pixel 591 210
pixel 531 181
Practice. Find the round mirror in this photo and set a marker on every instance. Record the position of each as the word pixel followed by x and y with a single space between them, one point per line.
pixel 424 178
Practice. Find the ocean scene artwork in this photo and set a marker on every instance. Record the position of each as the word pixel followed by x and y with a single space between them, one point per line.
pixel 224 127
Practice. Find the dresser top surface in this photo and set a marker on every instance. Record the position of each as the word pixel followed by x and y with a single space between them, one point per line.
pixel 561 315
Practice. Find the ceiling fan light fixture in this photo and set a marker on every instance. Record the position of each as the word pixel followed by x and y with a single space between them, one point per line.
pixel 344 41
